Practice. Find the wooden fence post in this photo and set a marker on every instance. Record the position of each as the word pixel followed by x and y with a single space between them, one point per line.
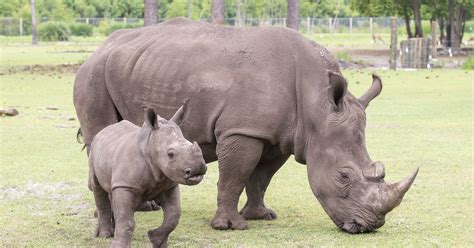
pixel 434 39
pixel 21 26
pixel 330 25
pixel 393 43
pixel 371 27
pixel 350 25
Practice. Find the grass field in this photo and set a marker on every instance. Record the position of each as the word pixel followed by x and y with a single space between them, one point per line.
pixel 422 119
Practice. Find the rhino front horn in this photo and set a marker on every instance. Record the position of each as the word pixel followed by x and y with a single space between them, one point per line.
pixel 396 192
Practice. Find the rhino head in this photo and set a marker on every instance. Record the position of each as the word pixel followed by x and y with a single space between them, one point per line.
pixel 344 179
pixel 162 144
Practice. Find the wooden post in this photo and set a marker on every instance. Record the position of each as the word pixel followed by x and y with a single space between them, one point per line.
pixel 21 26
pixel 393 43
pixel 34 37
pixel 189 9
pixel 350 25
pixel 308 22
pixel 125 20
pixel 330 25
pixel 87 20
pixel 371 27
pixel 434 39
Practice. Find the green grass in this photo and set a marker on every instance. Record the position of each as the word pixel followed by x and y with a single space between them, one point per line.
pixel 422 119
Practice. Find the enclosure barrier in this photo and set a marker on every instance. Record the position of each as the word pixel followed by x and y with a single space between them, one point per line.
pixel 17 26
pixel 415 53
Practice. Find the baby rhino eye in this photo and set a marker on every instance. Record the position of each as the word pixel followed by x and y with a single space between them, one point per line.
pixel 170 153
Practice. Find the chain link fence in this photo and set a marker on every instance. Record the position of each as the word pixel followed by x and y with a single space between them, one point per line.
pixel 18 26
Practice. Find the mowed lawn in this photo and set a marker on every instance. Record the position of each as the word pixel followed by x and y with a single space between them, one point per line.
pixel 422 119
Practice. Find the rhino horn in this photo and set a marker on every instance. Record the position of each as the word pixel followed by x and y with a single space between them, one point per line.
pixel 395 192
pixel 372 92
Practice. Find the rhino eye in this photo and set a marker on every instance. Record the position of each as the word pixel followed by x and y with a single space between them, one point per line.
pixel 343 182
pixel 170 153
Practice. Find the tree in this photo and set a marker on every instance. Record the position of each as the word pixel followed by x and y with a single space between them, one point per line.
pixel 217 10
pixel 150 12
pixel 293 14
pixel 34 37
pixel 416 5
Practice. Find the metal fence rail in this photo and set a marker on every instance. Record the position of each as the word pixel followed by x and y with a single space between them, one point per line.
pixel 18 26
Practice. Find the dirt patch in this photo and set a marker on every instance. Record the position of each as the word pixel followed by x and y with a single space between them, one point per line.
pixel 35 190
pixel 41 69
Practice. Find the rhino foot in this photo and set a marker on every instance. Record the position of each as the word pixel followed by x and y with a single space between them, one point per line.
pixel 148 206
pixel 223 222
pixel 259 213
pixel 106 232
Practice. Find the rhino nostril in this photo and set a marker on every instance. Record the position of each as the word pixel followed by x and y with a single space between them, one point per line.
pixel 187 172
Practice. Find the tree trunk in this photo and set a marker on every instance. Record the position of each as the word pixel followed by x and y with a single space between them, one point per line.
pixel 449 26
pixel 293 14
pixel 457 25
pixel 34 37
pixel 150 12
pixel 417 18
pixel 217 10
pixel 407 21
pixel 441 31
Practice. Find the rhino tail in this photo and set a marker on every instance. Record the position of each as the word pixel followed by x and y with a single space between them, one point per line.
pixel 79 139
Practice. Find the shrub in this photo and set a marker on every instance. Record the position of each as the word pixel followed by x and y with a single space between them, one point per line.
pixel 53 31
pixel 81 29
pixel 469 64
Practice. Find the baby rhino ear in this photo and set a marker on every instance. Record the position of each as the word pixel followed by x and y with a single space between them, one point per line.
pixel 151 119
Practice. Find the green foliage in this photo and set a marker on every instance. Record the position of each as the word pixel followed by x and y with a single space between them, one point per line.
pixel 9 8
pixel 344 56
pixel 81 29
pixel 469 64
pixel 53 31
pixel 53 10
pixel 108 27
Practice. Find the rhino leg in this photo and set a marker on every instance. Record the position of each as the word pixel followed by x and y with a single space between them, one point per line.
pixel 256 186
pixel 105 226
pixel 237 157
pixel 124 205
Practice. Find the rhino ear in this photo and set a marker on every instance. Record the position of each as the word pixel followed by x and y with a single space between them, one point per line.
pixel 178 116
pixel 151 119
pixel 337 90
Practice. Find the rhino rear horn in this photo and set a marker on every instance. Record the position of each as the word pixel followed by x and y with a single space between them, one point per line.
pixel 373 91
pixel 178 116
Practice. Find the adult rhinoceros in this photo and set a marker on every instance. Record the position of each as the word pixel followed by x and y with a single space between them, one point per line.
pixel 256 96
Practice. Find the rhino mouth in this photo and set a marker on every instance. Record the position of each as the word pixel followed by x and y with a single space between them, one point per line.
pixel 195 179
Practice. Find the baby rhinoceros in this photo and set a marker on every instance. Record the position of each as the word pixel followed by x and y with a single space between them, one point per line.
pixel 129 165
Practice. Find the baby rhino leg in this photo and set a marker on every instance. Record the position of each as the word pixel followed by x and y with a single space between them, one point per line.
pixel 169 201
pixel 105 226
pixel 124 204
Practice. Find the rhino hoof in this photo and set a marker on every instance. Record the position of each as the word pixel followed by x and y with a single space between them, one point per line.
pixel 105 234
pixel 258 213
pixel 224 223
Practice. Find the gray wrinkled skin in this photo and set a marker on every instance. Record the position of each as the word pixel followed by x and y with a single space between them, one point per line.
pixel 256 96
pixel 129 165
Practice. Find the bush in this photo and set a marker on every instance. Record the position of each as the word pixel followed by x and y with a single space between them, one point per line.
pixel 53 31
pixel 81 29
pixel 469 64
pixel 106 27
